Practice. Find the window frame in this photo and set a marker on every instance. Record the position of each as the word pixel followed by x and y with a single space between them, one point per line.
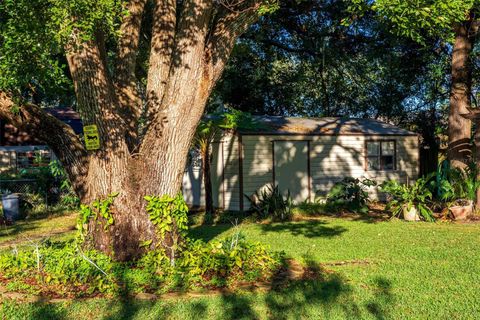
pixel 379 157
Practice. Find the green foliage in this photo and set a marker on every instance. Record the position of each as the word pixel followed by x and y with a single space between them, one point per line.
pixel 227 260
pixel 453 184
pixel 60 265
pixel 350 194
pixel 64 268
pixel 84 17
pixel 33 35
pixel 98 208
pixel 404 197
pixel 168 214
pixel 419 19
pixel 270 203
pixel 298 64
pixel 68 198
pixel 268 7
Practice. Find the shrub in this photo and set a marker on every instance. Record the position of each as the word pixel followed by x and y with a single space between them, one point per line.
pixel 350 194
pixel 404 197
pixel 270 203
pixel 60 265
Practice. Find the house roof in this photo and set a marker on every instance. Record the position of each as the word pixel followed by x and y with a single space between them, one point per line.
pixel 324 126
pixel 69 116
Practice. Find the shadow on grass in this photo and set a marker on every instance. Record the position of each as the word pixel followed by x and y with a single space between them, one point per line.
pixel 309 229
pixel 382 298
pixel 19 227
pixel 35 223
pixel 208 232
pixel 330 296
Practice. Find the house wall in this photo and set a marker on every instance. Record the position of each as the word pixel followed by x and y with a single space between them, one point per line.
pixel 331 159
pixel 225 176
pixel 9 159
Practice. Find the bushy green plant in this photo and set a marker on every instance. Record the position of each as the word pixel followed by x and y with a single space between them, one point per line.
pixel 68 198
pixel 350 194
pixel 405 197
pixel 65 268
pixel 61 265
pixel 270 203
pixel 228 260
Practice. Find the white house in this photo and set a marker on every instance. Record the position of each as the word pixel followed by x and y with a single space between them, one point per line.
pixel 305 156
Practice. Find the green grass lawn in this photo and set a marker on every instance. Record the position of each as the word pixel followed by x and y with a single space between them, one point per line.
pixel 54 227
pixel 370 270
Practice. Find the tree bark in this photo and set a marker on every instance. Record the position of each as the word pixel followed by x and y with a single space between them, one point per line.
pixel 460 128
pixel 125 81
pixel 189 49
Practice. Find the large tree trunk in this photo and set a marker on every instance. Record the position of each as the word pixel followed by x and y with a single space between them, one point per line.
pixel 460 128
pixel 138 157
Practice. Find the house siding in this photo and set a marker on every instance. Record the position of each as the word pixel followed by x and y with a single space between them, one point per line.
pixel 332 157
pixel 225 171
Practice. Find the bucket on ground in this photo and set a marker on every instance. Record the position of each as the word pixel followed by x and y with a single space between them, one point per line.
pixel 10 203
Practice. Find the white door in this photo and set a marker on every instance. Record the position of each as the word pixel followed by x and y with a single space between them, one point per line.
pixel 291 168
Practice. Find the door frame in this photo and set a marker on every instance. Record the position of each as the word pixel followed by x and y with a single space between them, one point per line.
pixel 308 162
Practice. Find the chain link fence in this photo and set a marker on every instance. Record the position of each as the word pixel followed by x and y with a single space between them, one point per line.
pixel 18 186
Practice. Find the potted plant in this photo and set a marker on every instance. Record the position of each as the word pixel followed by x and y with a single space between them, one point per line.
pixel 468 185
pixel 409 201
pixel 458 188
pixel 461 209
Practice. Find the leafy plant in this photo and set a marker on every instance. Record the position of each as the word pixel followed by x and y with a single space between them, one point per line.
pixel 270 203
pixel 350 194
pixel 98 208
pixel 454 184
pixel 169 215
pixel 405 197
pixel 68 197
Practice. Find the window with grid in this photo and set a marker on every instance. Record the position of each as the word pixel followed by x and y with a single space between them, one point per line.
pixel 36 158
pixel 381 155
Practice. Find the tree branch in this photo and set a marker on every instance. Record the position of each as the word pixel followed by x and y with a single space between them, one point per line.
pixel 59 136
pixel 161 49
pixel 129 98
pixel 230 24
pixel 95 93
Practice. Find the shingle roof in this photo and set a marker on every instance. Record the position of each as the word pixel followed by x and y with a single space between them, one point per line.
pixel 324 126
